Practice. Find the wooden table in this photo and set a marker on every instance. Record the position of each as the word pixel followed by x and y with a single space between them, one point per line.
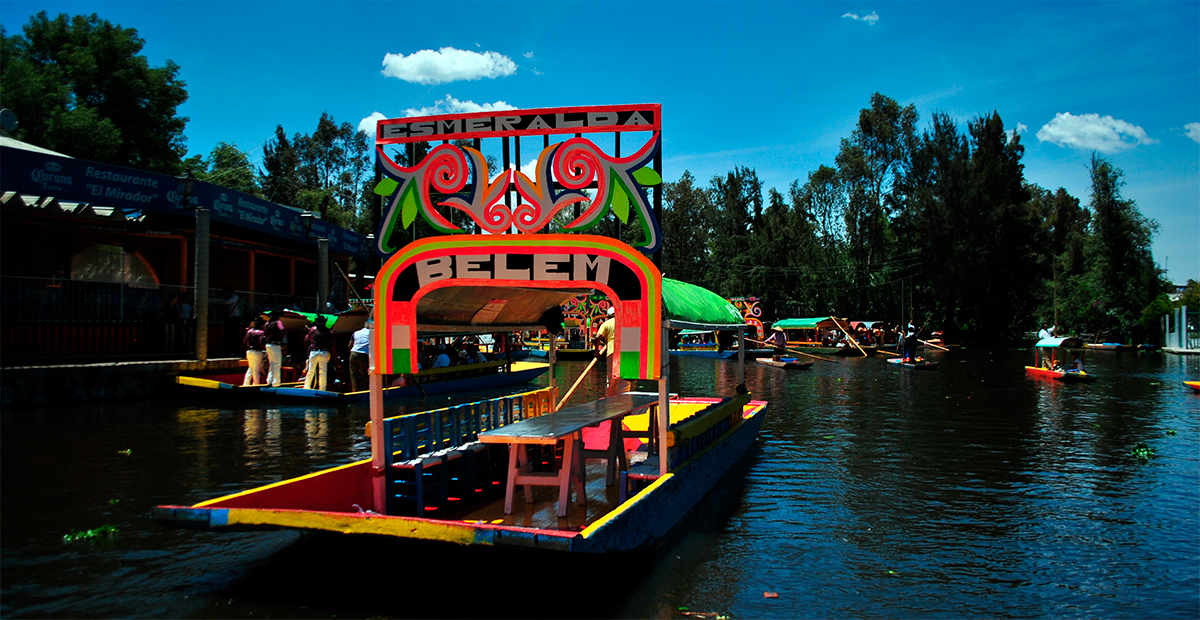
pixel 565 425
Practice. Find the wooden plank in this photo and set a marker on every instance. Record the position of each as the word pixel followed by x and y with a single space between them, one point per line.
pixel 567 421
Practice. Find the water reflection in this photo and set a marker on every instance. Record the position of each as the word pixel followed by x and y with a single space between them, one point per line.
pixel 966 491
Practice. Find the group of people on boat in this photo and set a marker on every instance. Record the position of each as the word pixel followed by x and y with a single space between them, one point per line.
pixel 264 341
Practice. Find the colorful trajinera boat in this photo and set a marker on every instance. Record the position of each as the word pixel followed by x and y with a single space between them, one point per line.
pixel 623 470
pixel 1049 362
pixel 805 334
pixel 1195 385
pixel 448 380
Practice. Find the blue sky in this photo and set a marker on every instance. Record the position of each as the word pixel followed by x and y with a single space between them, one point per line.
pixel 772 86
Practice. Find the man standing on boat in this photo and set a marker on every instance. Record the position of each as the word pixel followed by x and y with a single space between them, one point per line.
pixel 360 357
pixel 254 341
pixel 320 350
pixel 273 335
pixel 606 336
pixel 910 344
pixel 779 341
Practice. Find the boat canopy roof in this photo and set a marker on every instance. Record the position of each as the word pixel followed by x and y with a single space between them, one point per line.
pixel 1070 343
pixel 482 309
pixel 692 307
pixel 810 323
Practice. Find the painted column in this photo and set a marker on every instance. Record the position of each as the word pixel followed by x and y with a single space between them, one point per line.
pixel 322 274
pixel 201 272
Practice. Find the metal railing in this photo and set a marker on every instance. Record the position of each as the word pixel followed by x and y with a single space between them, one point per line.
pixel 58 321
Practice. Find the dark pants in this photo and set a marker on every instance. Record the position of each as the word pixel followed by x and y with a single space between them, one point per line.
pixel 360 365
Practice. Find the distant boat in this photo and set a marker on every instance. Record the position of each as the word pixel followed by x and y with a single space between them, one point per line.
pixel 787 363
pixel 1047 364
pixel 1110 346
pixel 918 364
pixel 1195 385
pixel 804 334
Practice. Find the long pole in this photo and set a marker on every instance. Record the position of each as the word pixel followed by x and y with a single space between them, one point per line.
pixel 849 337
pixel 816 357
pixel 577 382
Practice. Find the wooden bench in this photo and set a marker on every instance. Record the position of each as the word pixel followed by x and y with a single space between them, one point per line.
pixel 564 425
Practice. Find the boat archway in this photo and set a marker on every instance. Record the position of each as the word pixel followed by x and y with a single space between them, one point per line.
pixel 508 283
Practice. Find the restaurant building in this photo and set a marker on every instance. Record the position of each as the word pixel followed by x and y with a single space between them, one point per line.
pixel 98 262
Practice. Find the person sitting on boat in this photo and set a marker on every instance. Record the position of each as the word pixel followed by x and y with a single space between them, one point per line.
pixel 255 344
pixel 1076 363
pixel 442 359
pixel 320 351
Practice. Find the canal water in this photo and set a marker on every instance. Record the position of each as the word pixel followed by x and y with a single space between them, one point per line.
pixel 970 490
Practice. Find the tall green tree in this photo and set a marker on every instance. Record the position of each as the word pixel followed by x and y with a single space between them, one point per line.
pixel 1124 262
pixel 684 229
pixel 229 167
pixel 81 86
pixel 869 163
pixel 735 207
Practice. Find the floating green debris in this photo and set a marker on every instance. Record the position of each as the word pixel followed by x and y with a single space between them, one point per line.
pixel 1172 433
pixel 125 452
pixel 1142 452
pixel 102 532
pixel 829 437
pixel 1155 383
pixel 113 502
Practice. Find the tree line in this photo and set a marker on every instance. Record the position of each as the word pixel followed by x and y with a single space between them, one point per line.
pixel 938 227
pixel 933 225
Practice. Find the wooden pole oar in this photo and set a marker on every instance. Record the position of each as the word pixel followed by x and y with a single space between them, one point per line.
pixel 931 344
pixel 577 382
pixel 816 357
pixel 849 337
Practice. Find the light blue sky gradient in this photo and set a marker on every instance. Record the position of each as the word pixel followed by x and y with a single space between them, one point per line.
pixel 772 86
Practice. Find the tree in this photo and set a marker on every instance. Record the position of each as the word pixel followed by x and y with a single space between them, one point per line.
pixel 325 171
pixel 281 170
pixel 1124 263
pixel 230 167
pixel 81 87
pixel 734 211
pixel 684 231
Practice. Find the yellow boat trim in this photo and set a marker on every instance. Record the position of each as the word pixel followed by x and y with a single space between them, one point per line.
pixel 354 524
pixel 590 530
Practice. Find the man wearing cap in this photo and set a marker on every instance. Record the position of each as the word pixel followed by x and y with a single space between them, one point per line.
pixel 606 335
pixel 273 335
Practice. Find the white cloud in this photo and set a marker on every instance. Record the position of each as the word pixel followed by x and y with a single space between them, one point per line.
pixel 528 55
pixel 1093 132
pixel 367 125
pixel 450 105
pixel 870 19
pixel 1021 128
pixel 1193 131
pixel 447 65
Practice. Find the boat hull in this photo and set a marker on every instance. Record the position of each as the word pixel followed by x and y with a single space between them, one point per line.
pixel 1059 375
pixel 721 355
pixel 1195 385
pixel 921 365
pixel 320 502
pixel 467 384
pixel 785 363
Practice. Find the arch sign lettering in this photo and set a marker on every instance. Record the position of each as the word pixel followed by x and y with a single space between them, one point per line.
pixel 453 188
pixel 518 262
